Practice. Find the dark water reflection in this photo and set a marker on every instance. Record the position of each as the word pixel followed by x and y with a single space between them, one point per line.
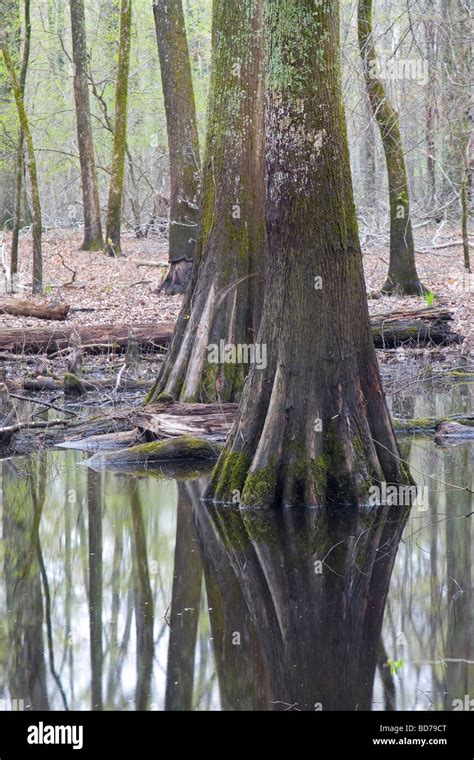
pixel 122 592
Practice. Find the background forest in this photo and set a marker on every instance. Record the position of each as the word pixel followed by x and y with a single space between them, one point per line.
pixel 423 48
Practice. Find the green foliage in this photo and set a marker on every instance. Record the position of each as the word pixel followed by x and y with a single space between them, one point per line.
pixel 430 299
pixel 395 666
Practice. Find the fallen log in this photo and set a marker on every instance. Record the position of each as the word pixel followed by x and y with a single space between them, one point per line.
pixel 22 308
pixel 105 442
pixel 94 338
pixel 7 432
pixel 398 328
pixel 447 431
pixel 175 450
pixel 24 437
pixel 171 420
pixel 415 327
pixel 429 424
pixel 40 384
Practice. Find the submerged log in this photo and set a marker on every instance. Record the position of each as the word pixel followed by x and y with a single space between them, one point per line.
pixel 104 442
pixel 181 449
pixel 429 424
pixel 454 431
pixel 22 308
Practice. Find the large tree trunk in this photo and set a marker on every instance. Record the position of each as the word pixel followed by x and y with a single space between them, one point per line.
pixel 313 426
pixel 114 209
pixel 223 302
pixel 93 240
pixel 402 275
pixel 183 141
pixel 31 161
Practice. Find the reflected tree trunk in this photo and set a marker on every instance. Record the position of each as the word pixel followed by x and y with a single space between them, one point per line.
pixel 186 594
pixel 25 611
pixel 240 665
pixel 94 506
pixel 315 585
pixel 144 615
pixel 460 597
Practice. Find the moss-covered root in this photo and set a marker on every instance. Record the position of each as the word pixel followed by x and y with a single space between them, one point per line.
pixel 175 450
pixel 73 385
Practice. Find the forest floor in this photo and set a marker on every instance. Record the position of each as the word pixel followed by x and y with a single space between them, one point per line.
pixel 104 290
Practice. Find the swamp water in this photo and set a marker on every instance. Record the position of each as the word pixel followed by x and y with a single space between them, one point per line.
pixel 123 591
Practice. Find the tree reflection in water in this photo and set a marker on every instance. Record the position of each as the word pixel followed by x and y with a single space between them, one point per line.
pixel 297 602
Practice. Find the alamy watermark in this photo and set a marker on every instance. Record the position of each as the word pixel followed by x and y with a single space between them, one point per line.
pixel 466 704
pixel 399 496
pixel 12 705
pixel 393 69
pixel 254 354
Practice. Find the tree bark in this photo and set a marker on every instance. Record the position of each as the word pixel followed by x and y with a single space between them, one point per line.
pixel 93 240
pixel 31 164
pixel 183 142
pixel 224 298
pixel 20 153
pixel 313 426
pixel 114 209
pixel 430 107
pixel 402 275
pixel 10 21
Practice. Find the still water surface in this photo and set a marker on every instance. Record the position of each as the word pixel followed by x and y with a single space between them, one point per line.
pixel 125 591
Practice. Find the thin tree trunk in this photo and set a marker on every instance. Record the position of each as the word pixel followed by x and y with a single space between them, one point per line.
pixel 402 275
pixel 20 155
pixel 31 164
pixel 313 426
pixel 226 288
pixel 430 36
pixel 93 240
pixel 10 21
pixel 465 218
pixel 114 209
pixel 183 141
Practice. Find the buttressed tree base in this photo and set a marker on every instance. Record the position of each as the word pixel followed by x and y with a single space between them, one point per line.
pixel 313 426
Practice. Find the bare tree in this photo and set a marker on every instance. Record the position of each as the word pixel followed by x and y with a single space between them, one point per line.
pixel 93 240
pixel 116 188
